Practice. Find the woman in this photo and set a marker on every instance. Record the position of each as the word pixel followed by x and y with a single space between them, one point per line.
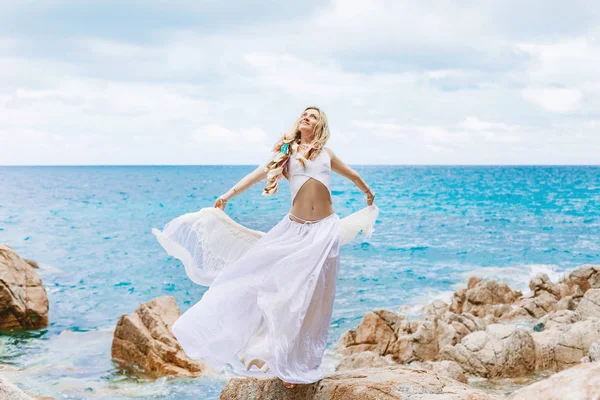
pixel 271 295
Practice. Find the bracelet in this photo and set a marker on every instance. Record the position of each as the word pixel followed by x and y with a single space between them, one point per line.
pixel 222 199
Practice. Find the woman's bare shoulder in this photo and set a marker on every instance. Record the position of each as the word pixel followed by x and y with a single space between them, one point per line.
pixel 329 151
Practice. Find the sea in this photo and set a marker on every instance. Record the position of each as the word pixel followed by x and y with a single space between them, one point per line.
pixel 89 228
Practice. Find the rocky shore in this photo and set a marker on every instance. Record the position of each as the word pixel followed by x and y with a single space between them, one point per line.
pixel 144 341
pixel 23 299
pixel 487 331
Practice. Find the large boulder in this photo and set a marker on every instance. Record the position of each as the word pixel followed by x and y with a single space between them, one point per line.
pixel 393 382
pixel 585 277
pixel 589 306
pixel 385 332
pixel 481 298
pixel 499 351
pixel 581 382
pixel 541 283
pixel 562 346
pixel 23 299
pixel 144 340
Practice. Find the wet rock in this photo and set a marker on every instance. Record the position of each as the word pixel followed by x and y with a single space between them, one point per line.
pixel 145 340
pixel 579 382
pixel 23 299
pixel 499 351
pixel 393 382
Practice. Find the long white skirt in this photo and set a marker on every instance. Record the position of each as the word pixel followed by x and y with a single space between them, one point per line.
pixel 270 296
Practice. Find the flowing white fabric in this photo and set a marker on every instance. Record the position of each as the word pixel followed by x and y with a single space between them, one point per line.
pixel 271 294
pixel 208 241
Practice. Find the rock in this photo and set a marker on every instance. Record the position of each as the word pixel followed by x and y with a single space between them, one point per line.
pixel 36 397
pixel 484 297
pixel 364 359
pixel 536 307
pixel 589 306
pixel 451 328
pixel 385 332
pixel 145 340
pixel 393 382
pixel 23 299
pixel 436 309
pixel 375 332
pixel 544 347
pixel 464 324
pixel 594 353
pixel 542 284
pixel 447 368
pixel 566 303
pixel 499 351
pixel 565 345
pixel 559 319
pixel 33 263
pixel 8 391
pixel 585 277
pixel 581 382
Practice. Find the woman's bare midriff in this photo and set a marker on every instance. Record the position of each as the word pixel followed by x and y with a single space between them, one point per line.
pixel 312 202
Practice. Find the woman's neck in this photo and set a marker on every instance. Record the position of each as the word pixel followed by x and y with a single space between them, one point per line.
pixel 306 140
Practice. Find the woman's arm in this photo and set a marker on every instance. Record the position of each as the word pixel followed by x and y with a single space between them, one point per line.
pixel 343 169
pixel 244 184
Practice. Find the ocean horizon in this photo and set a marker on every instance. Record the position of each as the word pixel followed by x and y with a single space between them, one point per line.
pixel 89 228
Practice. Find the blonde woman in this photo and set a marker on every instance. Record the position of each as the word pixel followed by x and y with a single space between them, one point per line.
pixel 268 308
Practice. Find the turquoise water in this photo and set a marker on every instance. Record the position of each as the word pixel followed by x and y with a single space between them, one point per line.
pixel 89 228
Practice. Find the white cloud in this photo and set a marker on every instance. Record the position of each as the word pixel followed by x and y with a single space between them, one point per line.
pixel 558 100
pixel 217 134
pixel 401 82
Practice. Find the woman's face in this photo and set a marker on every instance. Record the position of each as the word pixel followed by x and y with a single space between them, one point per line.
pixel 308 120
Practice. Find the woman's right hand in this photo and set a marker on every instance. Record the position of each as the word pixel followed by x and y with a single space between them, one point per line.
pixel 220 203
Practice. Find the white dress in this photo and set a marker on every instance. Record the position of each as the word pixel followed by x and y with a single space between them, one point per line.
pixel 271 294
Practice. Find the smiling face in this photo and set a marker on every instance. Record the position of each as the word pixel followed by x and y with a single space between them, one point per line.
pixel 307 123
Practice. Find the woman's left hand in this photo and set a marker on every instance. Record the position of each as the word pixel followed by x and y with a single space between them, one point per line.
pixel 370 199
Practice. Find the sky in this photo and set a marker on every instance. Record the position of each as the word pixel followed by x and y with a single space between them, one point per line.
pixel 149 82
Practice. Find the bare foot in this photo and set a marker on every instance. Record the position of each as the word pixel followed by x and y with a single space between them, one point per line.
pixel 289 385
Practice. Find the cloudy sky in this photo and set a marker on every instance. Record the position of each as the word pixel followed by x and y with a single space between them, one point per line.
pixel 217 82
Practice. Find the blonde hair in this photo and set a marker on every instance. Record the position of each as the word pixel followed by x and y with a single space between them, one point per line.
pixel 288 145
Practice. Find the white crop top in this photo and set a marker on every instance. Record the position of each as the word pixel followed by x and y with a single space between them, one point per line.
pixel 318 169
